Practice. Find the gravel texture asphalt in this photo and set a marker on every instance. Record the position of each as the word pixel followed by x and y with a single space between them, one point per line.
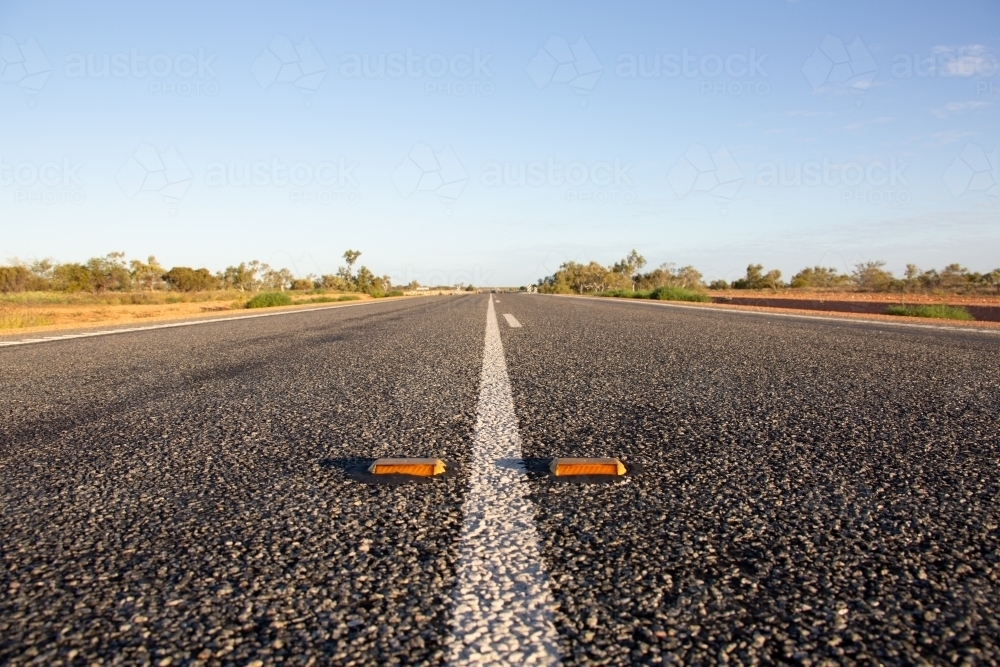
pixel 813 492
pixel 809 491
pixel 178 495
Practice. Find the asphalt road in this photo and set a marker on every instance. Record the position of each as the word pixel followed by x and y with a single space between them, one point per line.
pixel 809 491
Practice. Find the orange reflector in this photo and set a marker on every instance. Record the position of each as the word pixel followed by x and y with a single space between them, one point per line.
pixel 567 467
pixel 415 467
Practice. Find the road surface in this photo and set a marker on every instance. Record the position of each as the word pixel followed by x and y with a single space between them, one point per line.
pixel 806 490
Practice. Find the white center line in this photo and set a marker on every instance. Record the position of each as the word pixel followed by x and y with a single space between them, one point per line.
pixel 512 321
pixel 502 603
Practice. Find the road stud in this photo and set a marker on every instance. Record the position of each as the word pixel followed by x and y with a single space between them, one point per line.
pixel 593 466
pixel 415 467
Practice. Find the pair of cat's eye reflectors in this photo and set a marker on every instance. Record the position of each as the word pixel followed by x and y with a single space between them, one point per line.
pixel 561 467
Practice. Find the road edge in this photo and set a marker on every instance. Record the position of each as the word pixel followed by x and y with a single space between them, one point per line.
pixel 31 340
pixel 855 318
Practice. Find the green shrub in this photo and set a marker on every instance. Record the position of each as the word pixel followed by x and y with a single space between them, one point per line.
pixel 186 279
pixel 14 279
pixel 332 299
pixel 942 312
pixel 395 292
pixel 627 293
pixel 269 300
pixel 668 293
pixel 757 279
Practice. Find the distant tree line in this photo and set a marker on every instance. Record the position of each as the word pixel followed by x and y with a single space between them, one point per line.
pixel 112 273
pixel 575 278
pixel 869 276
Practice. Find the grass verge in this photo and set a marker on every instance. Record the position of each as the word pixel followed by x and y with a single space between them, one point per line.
pixel 269 300
pixel 660 294
pixel 11 318
pixel 941 312
pixel 331 299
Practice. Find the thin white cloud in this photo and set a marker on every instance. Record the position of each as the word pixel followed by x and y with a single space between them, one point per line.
pixel 953 108
pixel 966 61
pixel 971 49
pixel 854 127
pixel 809 114
pixel 948 137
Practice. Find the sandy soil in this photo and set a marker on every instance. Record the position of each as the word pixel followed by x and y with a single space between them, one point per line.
pixel 841 315
pixel 856 316
pixel 951 299
pixel 76 316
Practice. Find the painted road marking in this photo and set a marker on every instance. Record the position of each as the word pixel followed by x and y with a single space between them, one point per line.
pixel 512 321
pixel 502 602
pixel 88 334
pixel 843 320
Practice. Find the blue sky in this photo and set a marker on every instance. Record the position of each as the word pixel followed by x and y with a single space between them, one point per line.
pixel 488 144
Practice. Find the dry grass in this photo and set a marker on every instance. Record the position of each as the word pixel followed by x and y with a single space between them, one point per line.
pixel 117 298
pixel 54 310
pixel 22 318
pixel 834 294
pixel 826 314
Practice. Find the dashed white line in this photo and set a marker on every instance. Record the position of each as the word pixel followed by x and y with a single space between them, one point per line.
pixel 512 321
pixel 502 602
